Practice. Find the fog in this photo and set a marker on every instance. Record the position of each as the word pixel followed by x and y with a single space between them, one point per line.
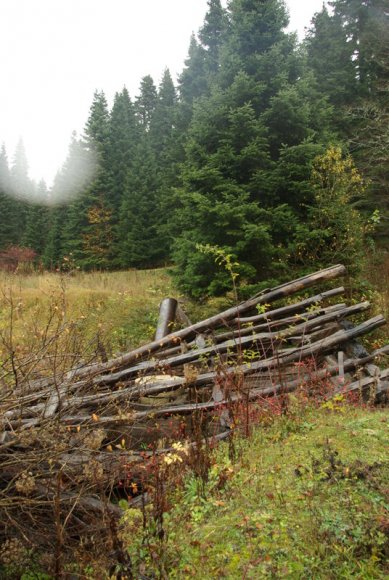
pixel 56 54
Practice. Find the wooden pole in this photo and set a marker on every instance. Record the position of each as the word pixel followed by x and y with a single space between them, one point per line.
pixel 167 316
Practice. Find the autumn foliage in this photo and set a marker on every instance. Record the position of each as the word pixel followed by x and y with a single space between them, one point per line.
pixel 17 259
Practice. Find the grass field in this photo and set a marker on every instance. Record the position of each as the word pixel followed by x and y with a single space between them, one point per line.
pixel 305 497
pixel 62 318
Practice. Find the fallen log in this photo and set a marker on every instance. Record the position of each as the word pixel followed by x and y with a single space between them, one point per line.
pixel 279 361
pixel 292 308
pixel 312 378
pixel 219 319
pixel 268 337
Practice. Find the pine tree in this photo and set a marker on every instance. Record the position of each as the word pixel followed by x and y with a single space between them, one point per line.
pixel 79 226
pixel 54 246
pixel 146 101
pixel 212 34
pixel 21 189
pixel 9 233
pixel 140 245
pixel 36 229
pixel 330 55
pixel 124 136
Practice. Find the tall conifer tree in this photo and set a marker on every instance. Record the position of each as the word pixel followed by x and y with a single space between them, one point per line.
pixel 140 245
pixel 81 227
pixel 146 101
pixel 36 229
pixel 124 135
pixel 9 233
pixel 212 34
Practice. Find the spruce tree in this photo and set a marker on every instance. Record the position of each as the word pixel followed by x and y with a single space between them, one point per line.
pixel 193 82
pixel 140 245
pixel 330 55
pixel 36 229
pixel 366 23
pixel 164 136
pixel 54 245
pixel 212 34
pixel 21 189
pixel 256 41
pixel 348 52
pixel 9 233
pixel 82 225
pixel 218 205
pixel 146 101
pixel 124 136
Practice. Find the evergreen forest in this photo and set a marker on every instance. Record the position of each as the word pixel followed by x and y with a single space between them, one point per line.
pixel 267 153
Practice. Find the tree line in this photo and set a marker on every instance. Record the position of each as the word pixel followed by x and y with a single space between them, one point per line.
pixel 270 150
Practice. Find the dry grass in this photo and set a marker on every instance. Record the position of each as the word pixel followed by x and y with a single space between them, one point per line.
pixel 378 275
pixel 80 315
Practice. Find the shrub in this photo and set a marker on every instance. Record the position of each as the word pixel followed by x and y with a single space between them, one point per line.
pixel 17 258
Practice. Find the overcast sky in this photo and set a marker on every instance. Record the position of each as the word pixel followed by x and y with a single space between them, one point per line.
pixel 55 53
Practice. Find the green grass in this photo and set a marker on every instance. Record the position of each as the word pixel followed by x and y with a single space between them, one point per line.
pixel 306 498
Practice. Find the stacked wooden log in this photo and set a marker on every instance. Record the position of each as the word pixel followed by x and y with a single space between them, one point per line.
pixel 102 416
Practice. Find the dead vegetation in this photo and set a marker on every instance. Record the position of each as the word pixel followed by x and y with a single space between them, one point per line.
pixel 74 442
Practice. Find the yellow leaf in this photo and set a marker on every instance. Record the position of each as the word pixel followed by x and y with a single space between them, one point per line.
pixel 95 417
pixel 109 448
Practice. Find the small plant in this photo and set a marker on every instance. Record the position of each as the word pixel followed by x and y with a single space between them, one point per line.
pixel 224 259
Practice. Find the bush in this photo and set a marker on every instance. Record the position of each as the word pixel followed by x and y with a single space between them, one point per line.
pixel 16 258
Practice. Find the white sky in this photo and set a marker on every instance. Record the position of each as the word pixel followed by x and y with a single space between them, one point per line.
pixel 55 53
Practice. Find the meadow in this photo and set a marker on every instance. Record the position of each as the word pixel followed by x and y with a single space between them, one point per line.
pixel 58 320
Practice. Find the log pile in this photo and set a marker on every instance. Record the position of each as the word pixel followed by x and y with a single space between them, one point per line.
pixel 67 442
